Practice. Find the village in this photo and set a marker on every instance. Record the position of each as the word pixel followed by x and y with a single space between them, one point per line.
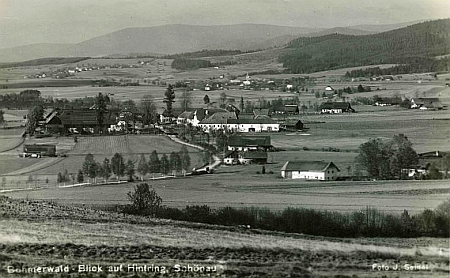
pixel 246 131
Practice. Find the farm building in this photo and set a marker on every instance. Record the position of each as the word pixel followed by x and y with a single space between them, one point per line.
pixel 310 170
pixel 388 101
pixel 291 109
pixel 192 117
pixel 227 121
pixel 253 157
pixel 427 103
pixel 335 107
pixel 262 112
pixel 81 120
pixel 249 143
pixel 294 125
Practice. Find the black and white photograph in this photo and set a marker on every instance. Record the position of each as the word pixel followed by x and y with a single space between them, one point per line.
pixel 207 138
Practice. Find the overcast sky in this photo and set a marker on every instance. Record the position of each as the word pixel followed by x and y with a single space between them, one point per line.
pixel 71 21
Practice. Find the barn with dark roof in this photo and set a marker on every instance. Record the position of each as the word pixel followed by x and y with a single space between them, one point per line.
pixel 310 170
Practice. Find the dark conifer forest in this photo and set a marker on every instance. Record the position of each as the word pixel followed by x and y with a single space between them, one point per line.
pixel 417 48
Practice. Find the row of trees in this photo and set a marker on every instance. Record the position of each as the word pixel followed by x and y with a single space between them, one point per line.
pixel 24 99
pixel 369 222
pixel 190 64
pixel 175 162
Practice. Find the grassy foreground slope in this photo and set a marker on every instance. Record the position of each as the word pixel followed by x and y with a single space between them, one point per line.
pixel 34 234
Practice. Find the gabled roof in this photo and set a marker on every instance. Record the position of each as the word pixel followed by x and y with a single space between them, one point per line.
pixel 307 166
pixel 250 141
pixel 52 116
pixel 261 111
pixel 85 117
pixel 434 154
pixel 336 105
pixel 186 115
pixel 219 118
pixel 246 116
pixel 256 121
pixel 432 103
pixel 291 108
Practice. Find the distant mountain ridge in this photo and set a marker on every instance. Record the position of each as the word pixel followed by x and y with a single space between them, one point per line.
pixel 171 39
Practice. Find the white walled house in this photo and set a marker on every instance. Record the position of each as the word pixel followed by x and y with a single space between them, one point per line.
pixel 258 124
pixel 310 170
pixel 335 107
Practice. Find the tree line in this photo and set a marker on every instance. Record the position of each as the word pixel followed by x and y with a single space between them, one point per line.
pixel 190 64
pixel 367 223
pixel 176 162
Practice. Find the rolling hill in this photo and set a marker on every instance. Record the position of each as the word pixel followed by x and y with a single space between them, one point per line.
pixel 171 39
pixel 416 45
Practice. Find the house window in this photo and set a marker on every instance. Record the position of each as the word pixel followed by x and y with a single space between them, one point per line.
pixel 332 172
pixel 328 172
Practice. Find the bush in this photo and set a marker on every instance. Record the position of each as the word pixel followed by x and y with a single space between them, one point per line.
pixel 143 200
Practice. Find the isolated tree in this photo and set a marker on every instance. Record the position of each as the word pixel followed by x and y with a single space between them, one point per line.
pixel 66 176
pixel 223 99
pixel 154 163
pixel 129 169
pixel 144 200
pixel 59 178
pixel 90 166
pixel 185 158
pixel 241 104
pixel 446 163
pixel 142 167
pixel 164 164
pixel 206 99
pixel 360 88
pixel 100 104
pixel 105 169
pixel 186 100
pixel 2 118
pixel 403 157
pixel 80 177
pixel 169 99
pixel 175 162
pixel 317 94
pixel 117 165
pixel 35 114
pixel 148 107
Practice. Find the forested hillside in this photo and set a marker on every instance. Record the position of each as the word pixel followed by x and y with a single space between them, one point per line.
pixel 416 45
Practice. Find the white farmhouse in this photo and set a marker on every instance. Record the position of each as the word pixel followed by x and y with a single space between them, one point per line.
pixel 310 170
pixel 258 124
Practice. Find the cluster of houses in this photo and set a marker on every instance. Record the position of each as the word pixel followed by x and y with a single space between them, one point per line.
pixel 85 120
pixel 246 149
pixel 414 103
pixel 213 119
pixel 426 104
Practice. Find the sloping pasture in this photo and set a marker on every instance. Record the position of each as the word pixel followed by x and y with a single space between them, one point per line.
pixel 131 147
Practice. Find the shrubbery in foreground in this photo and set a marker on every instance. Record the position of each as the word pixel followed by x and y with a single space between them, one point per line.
pixel 367 223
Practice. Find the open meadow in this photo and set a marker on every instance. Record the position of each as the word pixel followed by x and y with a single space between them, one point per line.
pixel 246 188
pixel 117 243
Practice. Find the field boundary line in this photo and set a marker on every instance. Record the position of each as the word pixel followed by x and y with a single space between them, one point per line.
pixel 24 171
pixel 18 145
